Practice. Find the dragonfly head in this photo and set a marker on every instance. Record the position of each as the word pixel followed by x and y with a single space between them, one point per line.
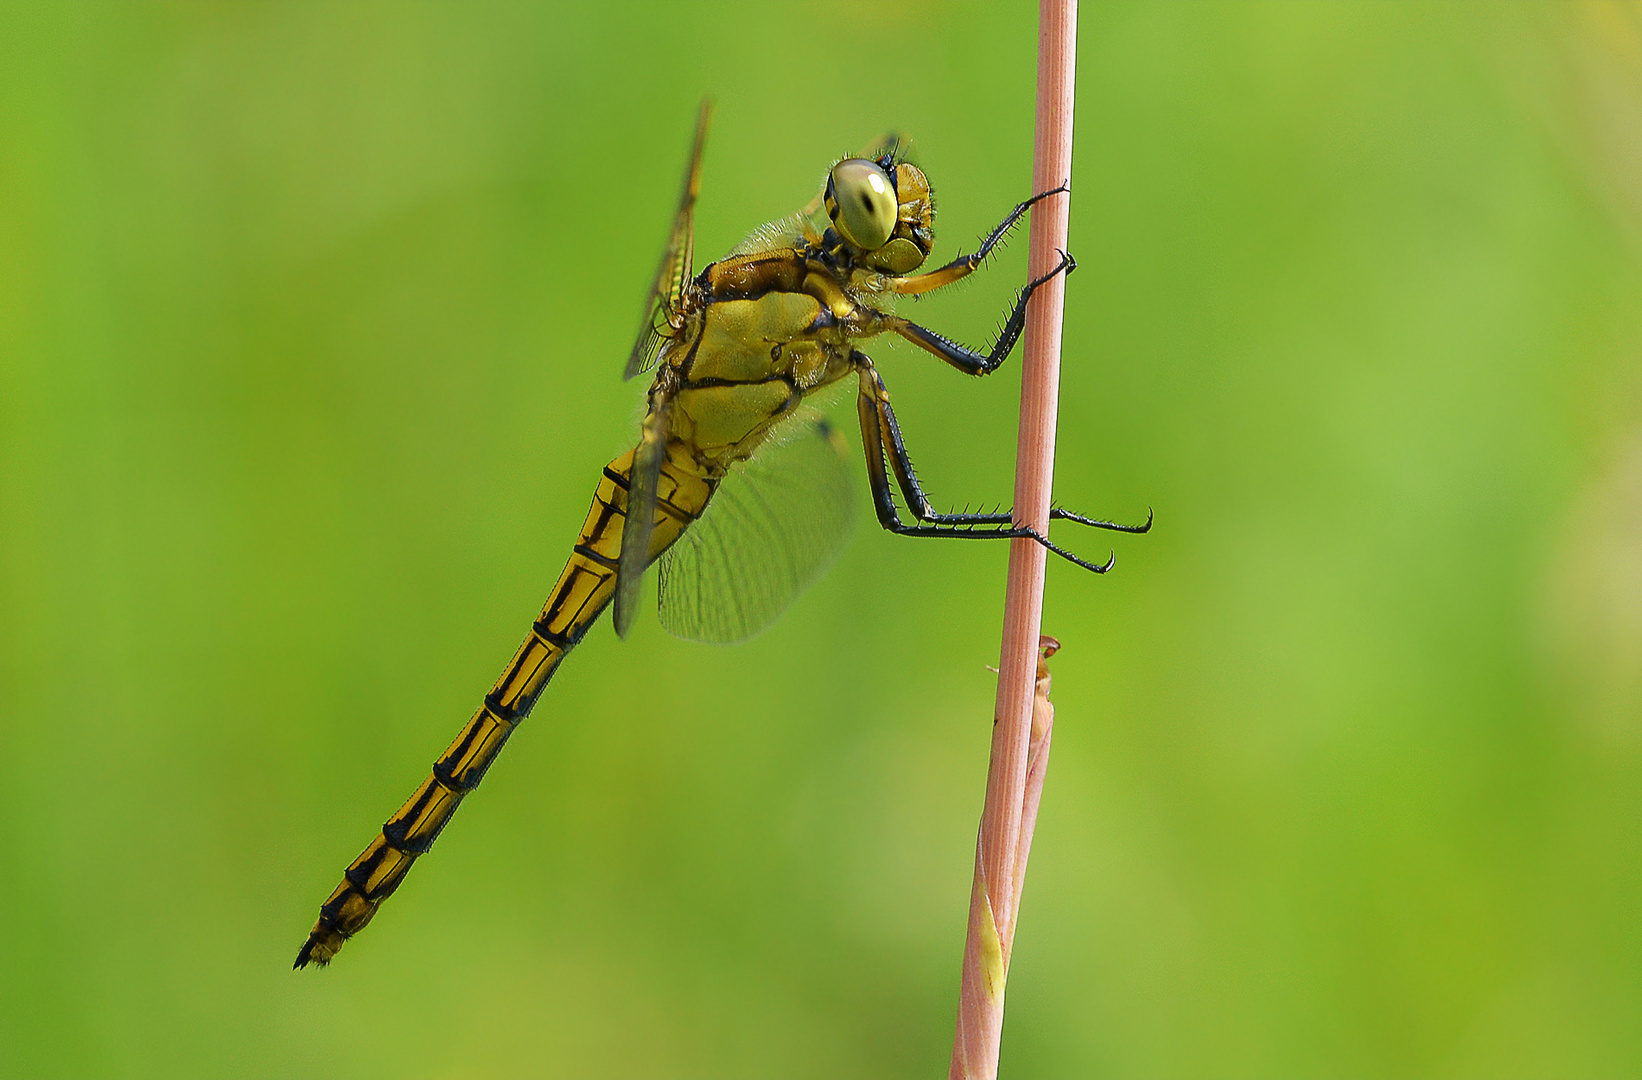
pixel 884 210
pixel 909 245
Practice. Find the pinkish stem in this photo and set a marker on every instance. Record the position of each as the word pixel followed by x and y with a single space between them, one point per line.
pixel 1005 833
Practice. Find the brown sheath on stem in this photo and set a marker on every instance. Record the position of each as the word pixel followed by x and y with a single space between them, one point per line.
pixel 1005 822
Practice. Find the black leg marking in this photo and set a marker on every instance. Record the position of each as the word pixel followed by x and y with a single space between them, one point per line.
pixel 881 439
pixel 970 361
pixel 966 264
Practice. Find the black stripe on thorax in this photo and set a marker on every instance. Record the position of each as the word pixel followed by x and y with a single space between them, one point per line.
pixel 713 381
pixel 615 477
pixel 744 294
pixel 690 357
pixel 788 256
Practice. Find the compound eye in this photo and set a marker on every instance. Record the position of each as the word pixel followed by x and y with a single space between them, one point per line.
pixel 861 202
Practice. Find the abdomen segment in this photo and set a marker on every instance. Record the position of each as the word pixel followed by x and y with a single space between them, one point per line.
pixel 583 591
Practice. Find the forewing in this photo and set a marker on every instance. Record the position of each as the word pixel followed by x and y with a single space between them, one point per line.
pixel 640 522
pixel 791 231
pixel 775 523
pixel 893 143
pixel 677 262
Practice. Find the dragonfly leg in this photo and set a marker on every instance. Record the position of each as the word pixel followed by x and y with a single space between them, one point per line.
pixel 964 265
pixel 918 503
pixel 967 360
pixel 881 439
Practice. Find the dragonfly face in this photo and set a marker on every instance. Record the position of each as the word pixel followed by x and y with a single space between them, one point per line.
pixel 741 493
pixel 883 212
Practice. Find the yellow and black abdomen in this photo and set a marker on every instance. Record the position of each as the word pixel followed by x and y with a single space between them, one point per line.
pixel 583 591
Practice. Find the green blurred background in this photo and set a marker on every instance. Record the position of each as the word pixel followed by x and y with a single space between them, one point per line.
pixel 311 325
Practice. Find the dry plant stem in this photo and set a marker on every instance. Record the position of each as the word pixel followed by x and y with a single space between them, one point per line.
pixel 1005 834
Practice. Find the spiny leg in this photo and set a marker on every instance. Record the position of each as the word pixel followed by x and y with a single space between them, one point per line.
pixel 918 502
pixel 967 360
pixel 1057 514
pixel 878 426
pixel 964 265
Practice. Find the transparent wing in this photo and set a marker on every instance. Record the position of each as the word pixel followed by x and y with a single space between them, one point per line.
pixel 897 146
pixel 640 522
pixel 792 231
pixel 660 319
pixel 893 143
pixel 775 523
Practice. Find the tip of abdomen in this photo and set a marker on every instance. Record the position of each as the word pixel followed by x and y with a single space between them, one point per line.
pixel 321 945
pixel 324 942
pixel 343 916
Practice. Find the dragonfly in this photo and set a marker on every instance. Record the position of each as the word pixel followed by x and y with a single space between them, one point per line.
pixel 737 486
